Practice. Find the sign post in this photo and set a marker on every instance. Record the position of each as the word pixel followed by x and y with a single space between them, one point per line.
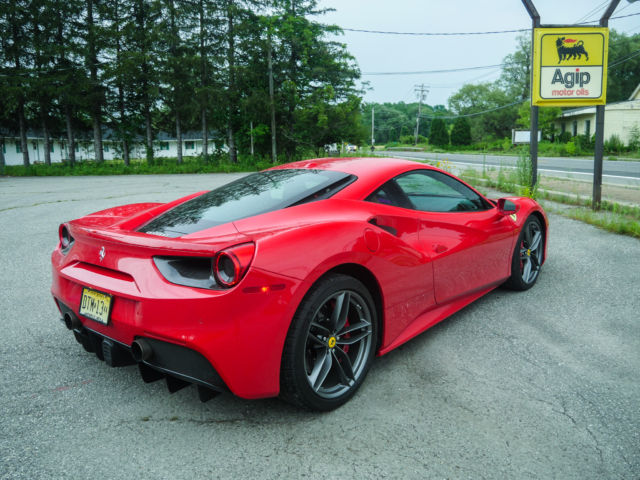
pixel 569 69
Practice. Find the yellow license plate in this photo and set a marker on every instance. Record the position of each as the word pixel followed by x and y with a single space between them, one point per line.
pixel 95 305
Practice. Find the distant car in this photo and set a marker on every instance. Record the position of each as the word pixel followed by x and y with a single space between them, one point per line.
pixel 289 281
pixel 351 148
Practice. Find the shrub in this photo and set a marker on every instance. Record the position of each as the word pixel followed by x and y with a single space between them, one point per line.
pixel 438 135
pixel 461 132
pixel 614 144
pixel 571 148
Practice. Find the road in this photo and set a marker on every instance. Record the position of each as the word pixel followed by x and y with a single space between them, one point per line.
pixel 538 384
pixel 615 172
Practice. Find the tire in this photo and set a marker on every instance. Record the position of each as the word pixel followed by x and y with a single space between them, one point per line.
pixel 330 344
pixel 527 256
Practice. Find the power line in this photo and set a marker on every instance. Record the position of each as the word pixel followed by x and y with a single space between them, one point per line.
pixel 435 34
pixel 491 32
pixel 423 72
pixel 452 117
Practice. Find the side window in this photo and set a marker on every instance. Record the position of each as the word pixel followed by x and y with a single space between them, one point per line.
pixel 429 191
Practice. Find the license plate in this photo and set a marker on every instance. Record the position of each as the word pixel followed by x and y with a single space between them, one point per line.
pixel 95 305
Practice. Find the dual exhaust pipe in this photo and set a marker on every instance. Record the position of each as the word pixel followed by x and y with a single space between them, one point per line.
pixel 140 349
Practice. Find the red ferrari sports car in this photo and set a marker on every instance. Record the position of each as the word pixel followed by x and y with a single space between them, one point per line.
pixel 289 281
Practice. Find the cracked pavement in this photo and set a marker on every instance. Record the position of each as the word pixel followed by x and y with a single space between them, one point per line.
pixel 538 384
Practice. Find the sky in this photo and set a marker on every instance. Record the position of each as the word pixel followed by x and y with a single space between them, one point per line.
pixel 376 53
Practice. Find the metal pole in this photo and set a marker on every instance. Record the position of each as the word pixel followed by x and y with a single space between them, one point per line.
pixel 533 138
pixel 596 199
pixel 373 139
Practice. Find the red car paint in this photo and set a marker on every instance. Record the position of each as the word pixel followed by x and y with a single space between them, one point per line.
pixel 434 265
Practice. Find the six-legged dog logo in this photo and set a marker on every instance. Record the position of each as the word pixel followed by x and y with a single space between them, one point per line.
pixel 569 49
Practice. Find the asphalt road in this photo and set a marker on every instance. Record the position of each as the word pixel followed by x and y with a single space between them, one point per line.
pixel 540 384
pixel 615 172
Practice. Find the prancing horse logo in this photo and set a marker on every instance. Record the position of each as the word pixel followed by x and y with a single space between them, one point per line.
pixel 102 253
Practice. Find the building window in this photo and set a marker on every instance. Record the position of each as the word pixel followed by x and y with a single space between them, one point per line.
pixel 18 148
pixel 4 148
pixel 587 128
pixel 77 147
pixel 106 148
pixel 164 145
pixel 575 129
pixel 563 127
pixel 51 147
pixel 189 145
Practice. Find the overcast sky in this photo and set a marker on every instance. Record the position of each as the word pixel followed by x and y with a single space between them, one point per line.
pixel 399 53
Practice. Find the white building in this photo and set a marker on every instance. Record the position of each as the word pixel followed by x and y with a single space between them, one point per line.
pixel 163 146
pixel 619 119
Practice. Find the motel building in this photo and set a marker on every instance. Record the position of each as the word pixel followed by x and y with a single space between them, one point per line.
pixel 164 145
pixel 619 119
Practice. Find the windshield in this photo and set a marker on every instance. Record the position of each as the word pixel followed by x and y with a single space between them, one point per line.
pixel 251 195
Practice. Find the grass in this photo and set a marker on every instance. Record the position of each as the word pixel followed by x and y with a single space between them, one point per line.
pixel 506 148
pixel 138 167
pixel 612 216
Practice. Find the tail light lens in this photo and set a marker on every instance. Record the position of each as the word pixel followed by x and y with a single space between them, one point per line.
pixel 230 265
pixel 66 240
pixel 225 270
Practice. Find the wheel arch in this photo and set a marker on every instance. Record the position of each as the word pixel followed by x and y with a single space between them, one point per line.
pixel 543 222
pixel 369 280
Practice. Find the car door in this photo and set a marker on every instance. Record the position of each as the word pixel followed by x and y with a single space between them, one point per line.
pixel 469 242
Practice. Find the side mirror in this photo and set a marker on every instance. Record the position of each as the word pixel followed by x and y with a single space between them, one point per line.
pixel 506 207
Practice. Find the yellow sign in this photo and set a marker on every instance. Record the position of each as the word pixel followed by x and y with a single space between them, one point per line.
pixel 570 66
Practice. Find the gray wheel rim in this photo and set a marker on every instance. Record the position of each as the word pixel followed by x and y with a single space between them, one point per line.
pixel 338 344
pixel 531 252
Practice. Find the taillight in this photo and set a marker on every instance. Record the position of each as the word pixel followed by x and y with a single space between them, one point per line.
pixel 66 240
pixel 230 265
pixel 224 270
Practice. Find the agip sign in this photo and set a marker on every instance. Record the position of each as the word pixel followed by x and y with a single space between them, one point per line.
pixel 570 66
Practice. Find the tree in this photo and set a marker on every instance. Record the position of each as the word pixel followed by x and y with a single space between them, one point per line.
pixel 438 135
pixel 546 118
pixel 461 132
pixel 624 67
pixel 14 31
pixel 515 78
pixel 495 114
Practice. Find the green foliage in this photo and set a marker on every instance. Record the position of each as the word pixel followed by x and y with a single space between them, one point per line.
pixel 461 132
pixel 634 138
pixel 614 145
pixel 546 118
pixel 571 148
pixel 141 67
pixel 623 78
pixel 438 135
pixel 159 166
pixel 488 100
pixel 396 120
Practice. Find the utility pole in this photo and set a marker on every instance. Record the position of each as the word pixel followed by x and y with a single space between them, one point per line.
pixel 422 92
pixel 596 197
pixel 274 154
pixel 251 133
pixel 373 139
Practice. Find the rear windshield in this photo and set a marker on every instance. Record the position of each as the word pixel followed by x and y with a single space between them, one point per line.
pixel 251 195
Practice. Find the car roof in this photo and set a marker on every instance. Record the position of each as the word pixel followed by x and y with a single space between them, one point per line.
pixel 371 171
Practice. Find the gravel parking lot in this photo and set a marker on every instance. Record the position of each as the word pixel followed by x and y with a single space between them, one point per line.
pixel 540 384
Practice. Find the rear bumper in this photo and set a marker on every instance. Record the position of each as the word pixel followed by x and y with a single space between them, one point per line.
pixel 220 340
pixel 165 360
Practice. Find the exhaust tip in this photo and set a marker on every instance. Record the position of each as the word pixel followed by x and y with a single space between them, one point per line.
pixel 141 350
pixel 71 321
